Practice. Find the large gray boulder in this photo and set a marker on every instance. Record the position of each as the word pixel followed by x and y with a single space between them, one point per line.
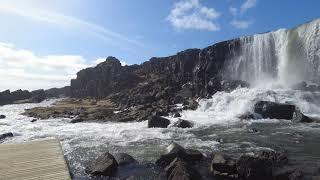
pixel 124 159
pixel 223 166
pixel 105 165
pixel 273 110
pixel 253 168
pixel 174 150
pixel 299 117
pixel 178 169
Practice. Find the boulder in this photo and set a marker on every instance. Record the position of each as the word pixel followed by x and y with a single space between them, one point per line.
pixel 5 135
pixel 77 120
pixel 193 155
pixel 224 166
pixel 105 165
pixel 183 124
pixel 34 120
pixel 277 158
pixel 174 150
pixel 178 169
pixel 190 104
pixel 158 122
pixel 299 117
pixel 124 159
pixel 252 168
pixel 2 116
pixel 177 115
pixel 274 110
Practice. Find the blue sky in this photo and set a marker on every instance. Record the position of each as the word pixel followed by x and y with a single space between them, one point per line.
pixel 43 43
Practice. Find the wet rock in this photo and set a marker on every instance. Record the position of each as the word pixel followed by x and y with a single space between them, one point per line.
pixel 178 169
pixel 274 110
pixel 5 135
pixel 177 115
pixel 105 165
pixel 299 117
pixel 224 166
pixel 77 120
pixel 247 115
pixel 178 99
pixel 2 116
pixel 300 86
pixel 124 159
pixel 183 124
pixel 158 122
pixel 229 85
pixel 252 168
pixel 174 150
pixel 190 104
pixel 34 120
pixel 288 174
pixel 277 158
pixel 193 155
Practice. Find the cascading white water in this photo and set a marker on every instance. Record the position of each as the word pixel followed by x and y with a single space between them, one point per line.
pixel 282 57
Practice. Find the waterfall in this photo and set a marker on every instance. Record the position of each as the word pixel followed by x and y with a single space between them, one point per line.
pixel 282 57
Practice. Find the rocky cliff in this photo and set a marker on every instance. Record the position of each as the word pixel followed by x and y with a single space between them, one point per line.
pixel 25 96
pixel 193 72
pixel 22 96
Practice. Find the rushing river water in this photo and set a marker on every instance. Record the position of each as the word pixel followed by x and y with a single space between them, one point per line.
pixel 216 129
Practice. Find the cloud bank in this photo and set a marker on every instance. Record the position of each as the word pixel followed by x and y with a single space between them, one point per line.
pixel 23 69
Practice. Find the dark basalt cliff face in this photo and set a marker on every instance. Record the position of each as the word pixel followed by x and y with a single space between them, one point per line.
pixel 201 71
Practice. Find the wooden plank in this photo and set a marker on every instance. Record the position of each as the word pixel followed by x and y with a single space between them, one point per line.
pixel 34 160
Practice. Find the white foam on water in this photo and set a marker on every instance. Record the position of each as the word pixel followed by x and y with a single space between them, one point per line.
pixel 90 135
pixel 224 107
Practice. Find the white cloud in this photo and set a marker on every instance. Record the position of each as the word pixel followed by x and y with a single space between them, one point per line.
pixel 248 4
pixel 25 10
pixel 237 14
pixel 191 14
pixel 241 24
pixel 23 69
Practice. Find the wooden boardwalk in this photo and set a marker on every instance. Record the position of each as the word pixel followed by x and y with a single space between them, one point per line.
pixel 38 160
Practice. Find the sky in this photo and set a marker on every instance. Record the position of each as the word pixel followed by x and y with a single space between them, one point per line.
pixel 43 43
